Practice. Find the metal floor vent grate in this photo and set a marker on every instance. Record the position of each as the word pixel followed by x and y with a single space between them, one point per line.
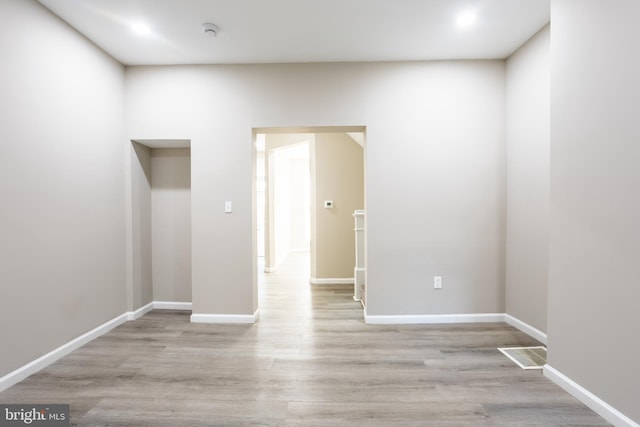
pixel 527 357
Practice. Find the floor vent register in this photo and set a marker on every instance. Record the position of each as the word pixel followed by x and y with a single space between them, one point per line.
pixel 527 357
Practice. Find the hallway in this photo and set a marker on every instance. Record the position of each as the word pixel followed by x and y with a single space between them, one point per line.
pixel 287 299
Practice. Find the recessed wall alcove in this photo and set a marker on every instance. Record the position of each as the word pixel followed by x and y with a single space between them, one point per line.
pixel 161 221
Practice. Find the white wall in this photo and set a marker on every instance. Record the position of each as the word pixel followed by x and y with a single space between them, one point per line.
pixel 595 198
pixel 261 203
pixel 140 286
pixel 290 166
pixel 434 179
pixel 435 167
pixel 62 216
pixel 299 202
pixel 281 196
pixel 528 137
pixel 171 224
pixel 338 162
pixel 274 143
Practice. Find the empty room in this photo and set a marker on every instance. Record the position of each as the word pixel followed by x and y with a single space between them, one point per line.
pixel 303 212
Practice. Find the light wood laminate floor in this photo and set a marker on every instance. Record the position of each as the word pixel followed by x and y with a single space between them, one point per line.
pixel 310 360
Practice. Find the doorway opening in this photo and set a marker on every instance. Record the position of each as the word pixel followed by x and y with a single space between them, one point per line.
pixel 308 183
pixel 283 197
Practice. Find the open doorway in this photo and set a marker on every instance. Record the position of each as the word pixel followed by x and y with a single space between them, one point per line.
pixel 308 184
pixel 284 222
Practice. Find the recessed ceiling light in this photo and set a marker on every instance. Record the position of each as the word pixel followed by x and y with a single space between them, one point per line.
pixel 466 19
pixel 140 28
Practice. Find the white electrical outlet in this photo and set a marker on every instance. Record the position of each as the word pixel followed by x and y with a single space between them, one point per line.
pixel 437 282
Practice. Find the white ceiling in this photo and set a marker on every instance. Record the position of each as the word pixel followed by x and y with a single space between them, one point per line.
pixel 281 31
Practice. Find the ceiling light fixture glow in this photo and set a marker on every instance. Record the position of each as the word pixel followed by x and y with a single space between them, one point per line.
pixel 140 28
pixel 466 19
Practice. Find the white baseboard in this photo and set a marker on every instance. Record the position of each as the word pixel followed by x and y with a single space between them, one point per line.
pixel 458 318
pixel 598 405
pixel 526 328
pixel 133 315
pixel 226 318
pixel 172 305
pixel 32 367
pixel 421 319
pixel 158 305
pixel 331 281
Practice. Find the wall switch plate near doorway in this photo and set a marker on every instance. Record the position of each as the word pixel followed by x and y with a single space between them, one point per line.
pixel 437 282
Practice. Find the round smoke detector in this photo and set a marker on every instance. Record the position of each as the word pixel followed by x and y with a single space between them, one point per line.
pixel 209 29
